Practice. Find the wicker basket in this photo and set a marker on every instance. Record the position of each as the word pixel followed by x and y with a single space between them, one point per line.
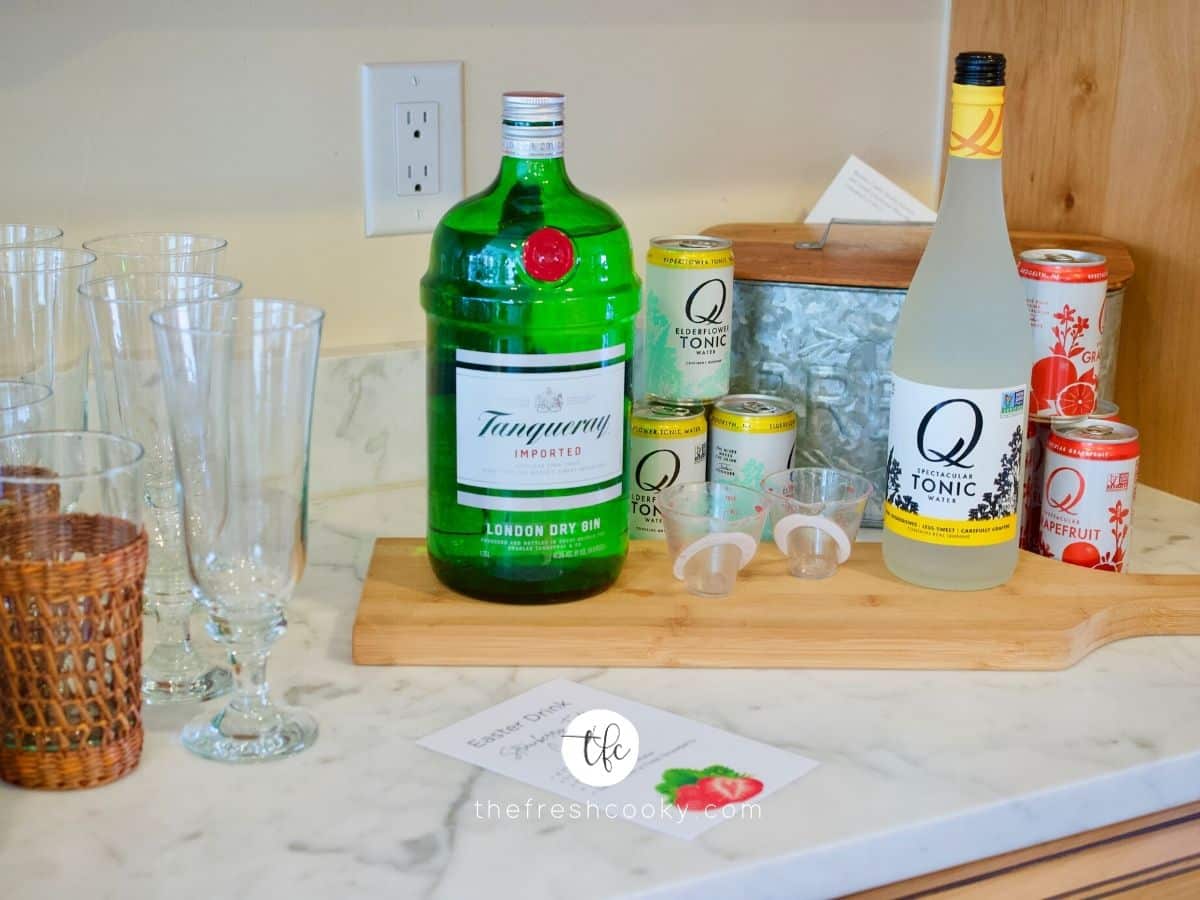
pixel 70 646
pixel 17 499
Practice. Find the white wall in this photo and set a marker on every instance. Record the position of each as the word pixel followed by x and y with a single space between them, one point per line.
pixel 241 118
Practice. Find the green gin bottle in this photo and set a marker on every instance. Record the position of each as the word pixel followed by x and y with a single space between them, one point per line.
pixel 530 299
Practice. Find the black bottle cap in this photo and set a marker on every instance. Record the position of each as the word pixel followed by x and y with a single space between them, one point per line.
pixel 979 68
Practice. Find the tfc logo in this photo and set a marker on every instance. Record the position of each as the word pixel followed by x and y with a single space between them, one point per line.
pixel 1064 489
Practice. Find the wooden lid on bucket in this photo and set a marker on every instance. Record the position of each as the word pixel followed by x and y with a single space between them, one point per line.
pixel 880 256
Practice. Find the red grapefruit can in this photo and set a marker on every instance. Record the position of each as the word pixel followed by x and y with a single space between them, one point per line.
pixel 1037 434
pixel 1065 291
pixel 1090 474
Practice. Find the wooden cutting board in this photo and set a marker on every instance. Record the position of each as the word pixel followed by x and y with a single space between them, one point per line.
pixel 1049 616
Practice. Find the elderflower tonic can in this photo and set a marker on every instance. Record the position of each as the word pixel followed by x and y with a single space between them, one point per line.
pixel 752 436
pixel 669 446
pixel 689 314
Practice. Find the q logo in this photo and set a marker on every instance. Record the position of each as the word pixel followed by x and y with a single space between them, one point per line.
pixel 948 425
pixel 1064 489
pixel 656 470
pixel 706 309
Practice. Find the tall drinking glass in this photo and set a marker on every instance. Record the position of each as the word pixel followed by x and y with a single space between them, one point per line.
pixel 72 560
pixel 239 378
pixel 24 406
pixel 131 402
pixel 43 337
pixel 157 251
pixel 21 235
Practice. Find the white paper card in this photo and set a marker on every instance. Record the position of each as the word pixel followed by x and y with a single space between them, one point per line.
pixel 861 192
pixel 688 776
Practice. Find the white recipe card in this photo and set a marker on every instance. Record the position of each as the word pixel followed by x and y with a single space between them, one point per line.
pixel 859 191
pixel 616 758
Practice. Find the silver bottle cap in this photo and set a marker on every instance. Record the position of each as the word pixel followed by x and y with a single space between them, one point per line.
pixel 533 124
pixel 533 108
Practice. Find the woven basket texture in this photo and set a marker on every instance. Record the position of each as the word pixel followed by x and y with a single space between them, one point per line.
pixel 70 644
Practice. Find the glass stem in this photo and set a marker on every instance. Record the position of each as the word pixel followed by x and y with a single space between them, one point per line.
pixel 172 660
pixel 250 686
pixel 174 627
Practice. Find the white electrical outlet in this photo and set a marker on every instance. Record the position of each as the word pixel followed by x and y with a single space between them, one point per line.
pixel 418 170
pixel 412 135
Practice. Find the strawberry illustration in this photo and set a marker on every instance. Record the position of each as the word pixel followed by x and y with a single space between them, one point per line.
pixel 722 791
pixel 692 797
pixel 701 789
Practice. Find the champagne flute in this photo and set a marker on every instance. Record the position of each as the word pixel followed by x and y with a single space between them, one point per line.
pixel 239 378
pixel 131 400
pixel 43 337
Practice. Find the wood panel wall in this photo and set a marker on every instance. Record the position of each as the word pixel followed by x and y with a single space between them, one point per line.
pixel 1103 136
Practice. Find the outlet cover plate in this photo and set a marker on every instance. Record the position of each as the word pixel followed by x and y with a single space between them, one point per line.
pixel 389 91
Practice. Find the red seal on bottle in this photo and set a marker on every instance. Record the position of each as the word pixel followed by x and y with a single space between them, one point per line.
pixel 548 254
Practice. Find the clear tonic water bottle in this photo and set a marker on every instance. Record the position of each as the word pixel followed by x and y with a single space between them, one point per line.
pixel 961 361
pixel 530 299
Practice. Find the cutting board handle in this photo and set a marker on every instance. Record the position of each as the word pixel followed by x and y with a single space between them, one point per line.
pixel 1176 611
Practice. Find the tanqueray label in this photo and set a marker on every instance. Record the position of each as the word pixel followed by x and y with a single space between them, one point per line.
pixel 539 432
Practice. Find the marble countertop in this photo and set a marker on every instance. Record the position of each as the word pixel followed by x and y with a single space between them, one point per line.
pixel 919 770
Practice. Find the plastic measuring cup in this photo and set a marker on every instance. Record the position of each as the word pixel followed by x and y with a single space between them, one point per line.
pixel 712 533
pixel 815 515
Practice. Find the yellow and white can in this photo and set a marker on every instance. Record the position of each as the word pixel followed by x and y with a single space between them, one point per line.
pixel 669 445
pixel 752 436
pixel 689 317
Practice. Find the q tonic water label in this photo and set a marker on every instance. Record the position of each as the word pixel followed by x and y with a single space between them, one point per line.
pixel 954 463
pixel 689 313
pixel 669 446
